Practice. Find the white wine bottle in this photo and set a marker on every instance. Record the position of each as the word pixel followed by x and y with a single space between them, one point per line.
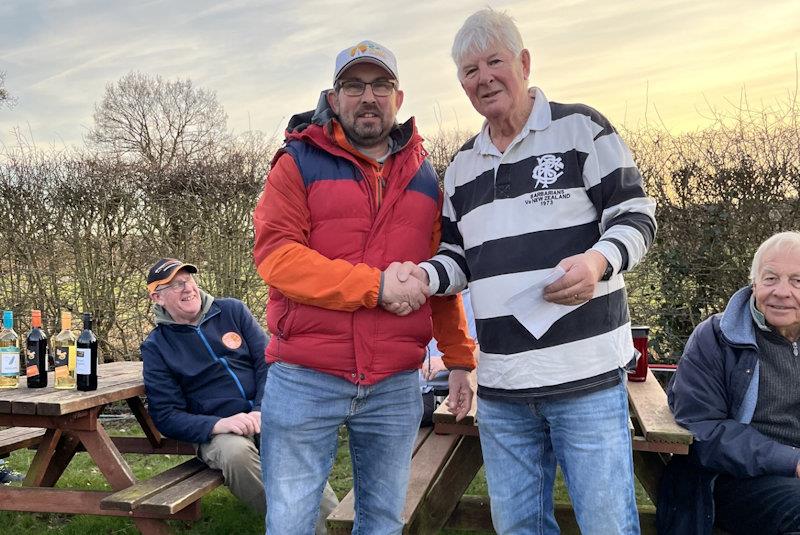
pixel 64 356
pixel 9 353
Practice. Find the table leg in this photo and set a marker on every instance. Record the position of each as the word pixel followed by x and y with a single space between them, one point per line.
pixel 41 461
pixel 53 455
pixel 145 421
pixel 117 471
pixel 649 466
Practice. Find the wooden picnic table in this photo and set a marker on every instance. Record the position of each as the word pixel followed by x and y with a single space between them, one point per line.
pixel 655 436
pixel 446 461
pixel 70 422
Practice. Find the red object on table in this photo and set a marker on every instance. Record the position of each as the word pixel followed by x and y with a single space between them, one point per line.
pixel 640 334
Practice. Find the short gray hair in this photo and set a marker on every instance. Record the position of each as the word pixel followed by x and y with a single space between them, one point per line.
pixel 483 28
pixel 786 241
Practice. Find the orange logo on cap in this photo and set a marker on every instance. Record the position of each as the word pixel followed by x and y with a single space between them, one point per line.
pixel 232 340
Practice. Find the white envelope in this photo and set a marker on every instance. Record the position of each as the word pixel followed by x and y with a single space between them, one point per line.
pixel 532 311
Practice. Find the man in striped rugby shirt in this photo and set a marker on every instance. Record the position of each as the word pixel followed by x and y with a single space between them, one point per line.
pixel 543 185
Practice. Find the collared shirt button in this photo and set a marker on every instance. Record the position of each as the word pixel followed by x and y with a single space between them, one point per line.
pixel 353 375
pixel 362 376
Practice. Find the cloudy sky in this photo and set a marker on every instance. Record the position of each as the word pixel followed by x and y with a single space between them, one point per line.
pixel 664 61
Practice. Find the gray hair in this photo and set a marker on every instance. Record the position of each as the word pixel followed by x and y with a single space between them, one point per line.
pixel 483 28
pixel 786 241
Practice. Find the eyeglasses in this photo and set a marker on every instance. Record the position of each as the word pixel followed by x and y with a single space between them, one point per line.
pixel 177 286
pixel 356 88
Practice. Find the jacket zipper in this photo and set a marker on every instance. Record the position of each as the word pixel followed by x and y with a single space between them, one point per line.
pixel 224 362
pixel 794 348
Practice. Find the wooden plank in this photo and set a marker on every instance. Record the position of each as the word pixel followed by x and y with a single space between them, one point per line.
pixel 142 445
pixel 65 501
pixel 456 429
pixel 17 438
pixel 341 518
pixel 448 487
pixel 473 514
pixel 180 495
pixel 129 498
pixel 425 467
pixel 80 421
pixel 641 444
pixel 648 403
pixel 65 451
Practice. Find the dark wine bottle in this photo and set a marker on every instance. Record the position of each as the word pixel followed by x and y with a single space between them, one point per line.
pixel 36 364
pixel 86 358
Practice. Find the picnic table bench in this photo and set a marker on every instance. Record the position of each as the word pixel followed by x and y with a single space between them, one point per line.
pixel 445 462
pixel 60 423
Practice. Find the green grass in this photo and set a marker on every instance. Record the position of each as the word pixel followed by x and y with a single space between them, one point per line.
pixel 222 513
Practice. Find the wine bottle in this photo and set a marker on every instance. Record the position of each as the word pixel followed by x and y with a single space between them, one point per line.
pixel 86 365
pixel 36 364
pixel 9 353
pixel 64 357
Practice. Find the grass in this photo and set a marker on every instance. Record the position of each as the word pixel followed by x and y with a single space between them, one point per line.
pixel 222 513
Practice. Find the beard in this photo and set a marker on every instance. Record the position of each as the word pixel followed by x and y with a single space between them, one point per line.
pixel 367 133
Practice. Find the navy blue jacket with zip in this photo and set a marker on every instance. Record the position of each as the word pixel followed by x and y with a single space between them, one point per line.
pixel 714 394
pixel 193 378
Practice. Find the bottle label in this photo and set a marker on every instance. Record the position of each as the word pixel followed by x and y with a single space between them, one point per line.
pixel 61 358
pixel 9 361
pixel 83 365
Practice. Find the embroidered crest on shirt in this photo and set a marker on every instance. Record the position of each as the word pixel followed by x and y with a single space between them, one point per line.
pixel 547 171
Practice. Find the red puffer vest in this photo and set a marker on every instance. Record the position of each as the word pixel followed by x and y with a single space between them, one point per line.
pixel 367 345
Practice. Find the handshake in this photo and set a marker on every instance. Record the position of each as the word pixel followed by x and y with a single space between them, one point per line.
pixel 405 288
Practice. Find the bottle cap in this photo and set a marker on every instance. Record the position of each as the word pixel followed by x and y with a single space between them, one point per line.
pixel 66 320
pixel 36 318
pixel 8 319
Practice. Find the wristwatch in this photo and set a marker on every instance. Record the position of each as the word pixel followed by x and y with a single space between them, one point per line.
pixel 608 272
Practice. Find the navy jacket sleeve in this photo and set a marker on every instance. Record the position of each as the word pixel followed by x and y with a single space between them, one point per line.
pixel 166 403
pixel 256 340
pixel 700 402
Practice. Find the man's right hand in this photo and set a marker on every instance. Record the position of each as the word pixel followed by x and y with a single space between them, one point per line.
pixel 402 294
pixel 239 424
pixel 797 470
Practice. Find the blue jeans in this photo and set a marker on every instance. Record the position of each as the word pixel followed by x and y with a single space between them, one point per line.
pixel 301 412
pixel 589 438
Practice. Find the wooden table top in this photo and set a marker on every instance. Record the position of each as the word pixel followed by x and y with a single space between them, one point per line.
pixel 648 403
pixel 116 381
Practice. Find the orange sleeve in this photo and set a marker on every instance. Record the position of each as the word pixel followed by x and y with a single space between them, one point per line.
pixel 451 333
pixel 450 321
pixel 282 224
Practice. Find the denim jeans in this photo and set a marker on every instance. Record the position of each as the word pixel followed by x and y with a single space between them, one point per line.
pixel 301 412
pixel 587 436
pixel 767 505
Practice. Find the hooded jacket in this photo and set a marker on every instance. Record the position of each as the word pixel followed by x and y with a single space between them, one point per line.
pixel 329 221
pixel 194 375
pixel 714 394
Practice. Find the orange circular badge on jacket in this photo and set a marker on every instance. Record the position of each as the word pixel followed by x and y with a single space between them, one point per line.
pixel 232 340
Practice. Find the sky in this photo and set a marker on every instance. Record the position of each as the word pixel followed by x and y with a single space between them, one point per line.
pixel 667 62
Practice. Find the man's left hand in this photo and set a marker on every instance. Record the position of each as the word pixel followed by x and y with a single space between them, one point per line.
pixel 583 272
pixel 255 417
pixel 459 401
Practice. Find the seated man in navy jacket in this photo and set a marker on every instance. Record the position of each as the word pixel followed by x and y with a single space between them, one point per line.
pixel 736 391
pixel 204 373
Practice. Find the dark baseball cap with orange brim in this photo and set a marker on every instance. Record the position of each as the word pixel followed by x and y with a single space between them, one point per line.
pixel 164 271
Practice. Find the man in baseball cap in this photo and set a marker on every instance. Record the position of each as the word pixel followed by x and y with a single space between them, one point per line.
pixel 339 355
pixel 204 374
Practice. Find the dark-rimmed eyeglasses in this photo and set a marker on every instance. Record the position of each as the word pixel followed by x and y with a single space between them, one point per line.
pixel 356 88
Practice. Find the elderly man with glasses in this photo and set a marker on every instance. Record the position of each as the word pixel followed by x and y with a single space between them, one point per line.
pixel 349 195
pixel 204 373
